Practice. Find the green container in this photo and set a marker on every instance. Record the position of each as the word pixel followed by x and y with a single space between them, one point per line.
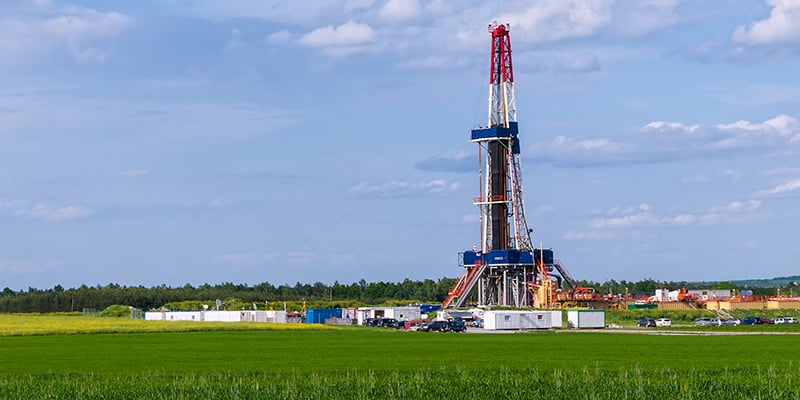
pixel 642 306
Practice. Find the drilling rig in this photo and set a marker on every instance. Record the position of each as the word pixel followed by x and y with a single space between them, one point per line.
pixel 504 265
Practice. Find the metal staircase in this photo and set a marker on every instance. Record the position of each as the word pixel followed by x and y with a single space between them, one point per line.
pixel 466 281
pixel 565 274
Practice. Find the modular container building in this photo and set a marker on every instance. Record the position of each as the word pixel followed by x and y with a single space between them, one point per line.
pixel 319 315
pixel 586 319
pixel 398 313
pixel 444 315
pixel 265 316
pixel 173 316
pixel 512 319
pixel 556 319
pixel 217 316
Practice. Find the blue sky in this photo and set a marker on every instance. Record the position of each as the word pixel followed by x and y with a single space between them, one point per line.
pixel 175 141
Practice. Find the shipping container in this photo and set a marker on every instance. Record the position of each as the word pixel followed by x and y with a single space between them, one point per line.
pixel 319 315
pixel 586 319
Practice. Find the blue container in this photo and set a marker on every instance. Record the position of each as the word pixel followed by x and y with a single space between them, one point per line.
pixel 319 315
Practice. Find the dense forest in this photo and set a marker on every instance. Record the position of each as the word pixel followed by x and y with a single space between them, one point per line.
pixel 59 299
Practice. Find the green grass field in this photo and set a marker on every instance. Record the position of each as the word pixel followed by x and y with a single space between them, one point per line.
pixel 386 364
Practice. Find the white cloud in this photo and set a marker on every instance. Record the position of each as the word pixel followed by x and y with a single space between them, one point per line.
pixel 779 190
pixel 738 207
pixel 399 10
pixel 639 17
pixel 655 142
pixel 554 20
pixel 403 189
pixel 81 32
pixel 42 211
pixel 781 27
pixel 782 125
pixel 628 222
pixel 599 235
pixel 348 38
pixel 81 22
pixel 670 126
pixel 279 37
pixel 133 173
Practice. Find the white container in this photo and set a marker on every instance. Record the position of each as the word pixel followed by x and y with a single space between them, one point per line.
pixel 556 319
pixel 510 319
pixel 586 319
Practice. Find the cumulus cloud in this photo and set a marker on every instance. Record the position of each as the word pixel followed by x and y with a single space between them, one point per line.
pixel 399 10
pixel 402 189
pixel 42 211
pixel 638 17
pixel 626 222
pixel 781 27
pixel 782 125
pixel 655 142
pixel 279 37
pixel 780 190
pixel 554 20
pixel 670 126
pixel 348 38
pixel 81 32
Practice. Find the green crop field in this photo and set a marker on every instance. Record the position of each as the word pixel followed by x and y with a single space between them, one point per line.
pixel 373 363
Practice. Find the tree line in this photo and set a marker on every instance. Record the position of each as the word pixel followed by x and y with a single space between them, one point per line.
pixel 59 299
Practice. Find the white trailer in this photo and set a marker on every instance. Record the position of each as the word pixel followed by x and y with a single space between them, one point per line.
pixel 512 319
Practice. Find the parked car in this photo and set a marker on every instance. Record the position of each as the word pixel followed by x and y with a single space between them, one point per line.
pixel 447 326
pixel 372 321
pixel 766 321
pixel 457 325
pixel 399 324
pixel 387 322
pixel 478 323
pixel 663 322
pixel 786 320
pixel 717 321
pixel 646 323
pixel 752 321
pixel 704 321
pixel 438 326
pixel 421 327
pixel 732 321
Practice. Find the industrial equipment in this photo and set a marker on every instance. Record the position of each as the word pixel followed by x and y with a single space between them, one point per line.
pixel 504 266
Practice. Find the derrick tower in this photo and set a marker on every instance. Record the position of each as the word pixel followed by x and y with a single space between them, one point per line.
pixel 504 265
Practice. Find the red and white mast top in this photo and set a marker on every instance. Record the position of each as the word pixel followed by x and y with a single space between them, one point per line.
pixel 502 106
